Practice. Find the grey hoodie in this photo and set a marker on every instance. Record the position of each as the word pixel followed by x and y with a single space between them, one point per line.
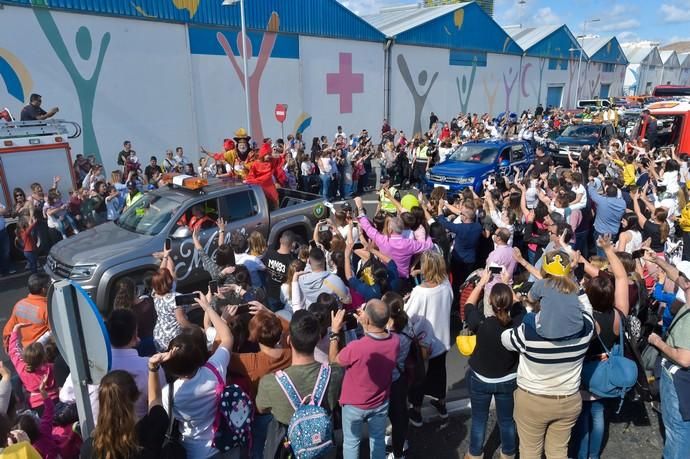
pixel 314 283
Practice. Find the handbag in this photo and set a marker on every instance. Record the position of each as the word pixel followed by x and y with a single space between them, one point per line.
pixel 650 354
pixel 172 445
pixel 612 377
pixel 466 341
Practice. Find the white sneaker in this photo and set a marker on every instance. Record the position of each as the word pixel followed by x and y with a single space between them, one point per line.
pixel 392 456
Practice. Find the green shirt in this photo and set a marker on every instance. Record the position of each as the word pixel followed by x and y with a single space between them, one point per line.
pixel 270 397
pixel 680 334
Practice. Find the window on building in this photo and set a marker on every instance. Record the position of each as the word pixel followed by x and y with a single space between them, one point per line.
pixel 558 64
pixel 608 68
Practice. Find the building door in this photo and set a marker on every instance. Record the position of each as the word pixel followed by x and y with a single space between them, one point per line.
pixel 604 91
pixel 554 95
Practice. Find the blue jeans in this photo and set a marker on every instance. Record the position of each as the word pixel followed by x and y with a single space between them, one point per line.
pixel 376 419
pixel 589 430
pixel 677 441
pixel 325 185
pixel 4 252
pixel 480 396
pixel 600 251
pixel 259 431
pixel 33 261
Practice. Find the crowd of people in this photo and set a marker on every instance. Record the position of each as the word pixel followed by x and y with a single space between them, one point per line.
pixel 549 270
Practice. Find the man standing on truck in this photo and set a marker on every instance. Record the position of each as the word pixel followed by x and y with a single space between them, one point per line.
pixel 34 112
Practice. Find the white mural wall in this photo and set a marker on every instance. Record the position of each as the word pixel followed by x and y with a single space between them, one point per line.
pixel 422 81
pixel 596 77
pixel 120 79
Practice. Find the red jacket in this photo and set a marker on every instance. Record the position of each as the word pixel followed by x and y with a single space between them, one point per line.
pixel 262 173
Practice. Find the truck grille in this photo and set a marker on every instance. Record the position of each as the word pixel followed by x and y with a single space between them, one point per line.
pixel 445 179
pixel 58 268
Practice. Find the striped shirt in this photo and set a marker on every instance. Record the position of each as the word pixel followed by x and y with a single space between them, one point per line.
pixel 548 367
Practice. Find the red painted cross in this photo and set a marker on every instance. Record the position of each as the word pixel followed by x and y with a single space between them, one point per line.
pixel 345 83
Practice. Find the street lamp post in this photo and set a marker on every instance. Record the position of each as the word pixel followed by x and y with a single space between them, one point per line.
pixel 244 58
pixel 579 62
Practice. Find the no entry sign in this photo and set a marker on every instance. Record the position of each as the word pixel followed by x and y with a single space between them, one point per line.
pixel 281 112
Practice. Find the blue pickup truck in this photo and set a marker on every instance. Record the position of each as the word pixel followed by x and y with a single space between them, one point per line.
pixel 473 162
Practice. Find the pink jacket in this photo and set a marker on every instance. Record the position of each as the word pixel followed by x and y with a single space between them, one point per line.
pixel 400 250
pixel 32 380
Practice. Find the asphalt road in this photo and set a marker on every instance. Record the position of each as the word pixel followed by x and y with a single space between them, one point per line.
pixel 631 435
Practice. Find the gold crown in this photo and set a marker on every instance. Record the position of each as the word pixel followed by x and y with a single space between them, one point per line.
pixel 556 267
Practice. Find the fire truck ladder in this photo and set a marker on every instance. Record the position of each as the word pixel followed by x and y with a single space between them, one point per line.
pixel 15 129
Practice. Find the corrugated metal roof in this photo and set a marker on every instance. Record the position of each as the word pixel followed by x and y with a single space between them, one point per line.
pixel 393 21
pixel 459 26
pixel 527 37
pixel 323 18
pixel 684 59
pixel 637 54
pixel 592 45
pixel 603 49
pixel 669 58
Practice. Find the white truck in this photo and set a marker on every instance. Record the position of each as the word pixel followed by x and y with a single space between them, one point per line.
pixel 35 151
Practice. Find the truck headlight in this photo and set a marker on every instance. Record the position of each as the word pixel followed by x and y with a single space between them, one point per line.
pixel 82 272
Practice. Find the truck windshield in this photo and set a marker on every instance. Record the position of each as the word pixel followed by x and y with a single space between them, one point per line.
pixel 475 154
pixel 582 131
pixel 148 215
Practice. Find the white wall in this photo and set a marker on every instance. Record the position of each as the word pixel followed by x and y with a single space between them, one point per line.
pixel 144 88
pixel 509 81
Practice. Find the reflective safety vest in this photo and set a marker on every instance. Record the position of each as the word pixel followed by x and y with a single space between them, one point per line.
pixel 386 204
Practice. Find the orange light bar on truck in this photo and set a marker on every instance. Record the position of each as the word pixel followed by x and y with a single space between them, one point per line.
pixel 185 181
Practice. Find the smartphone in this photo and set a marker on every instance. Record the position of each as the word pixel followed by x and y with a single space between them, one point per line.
pixel 323 227
pixel 186 299
pixel 213 287
pixel 168 243
pixel 243 309
pixel 638 253
pixel 495 269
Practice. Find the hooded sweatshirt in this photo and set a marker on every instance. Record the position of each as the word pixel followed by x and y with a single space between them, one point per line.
pixel 314 283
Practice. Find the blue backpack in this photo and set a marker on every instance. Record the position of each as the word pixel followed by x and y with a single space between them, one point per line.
pixel 310 432
pixel 232 426
pixel 612 377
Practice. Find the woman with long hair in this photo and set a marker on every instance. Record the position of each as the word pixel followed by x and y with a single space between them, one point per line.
pixel 493 369
pixel 118 435
pixel 656 228
pixel 428 308
pixel 630 238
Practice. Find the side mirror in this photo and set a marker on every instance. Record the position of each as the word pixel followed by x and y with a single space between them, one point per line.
pixel 182 232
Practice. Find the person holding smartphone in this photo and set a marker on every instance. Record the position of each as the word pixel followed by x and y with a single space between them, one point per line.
pixel 171 316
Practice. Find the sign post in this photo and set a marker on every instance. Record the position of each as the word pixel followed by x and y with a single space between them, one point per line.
pixel 83 341
pixel 281 115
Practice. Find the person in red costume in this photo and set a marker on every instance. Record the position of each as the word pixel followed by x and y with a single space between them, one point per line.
pixel 264 170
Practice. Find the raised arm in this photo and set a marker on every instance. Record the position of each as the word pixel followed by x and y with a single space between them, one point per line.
pixel 222 330
pixel 517 255
pixel 636 208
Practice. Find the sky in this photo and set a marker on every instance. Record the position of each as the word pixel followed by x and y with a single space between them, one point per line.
pixel 661 21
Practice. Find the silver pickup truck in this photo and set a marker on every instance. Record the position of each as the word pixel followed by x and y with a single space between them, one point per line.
pixel 98 257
